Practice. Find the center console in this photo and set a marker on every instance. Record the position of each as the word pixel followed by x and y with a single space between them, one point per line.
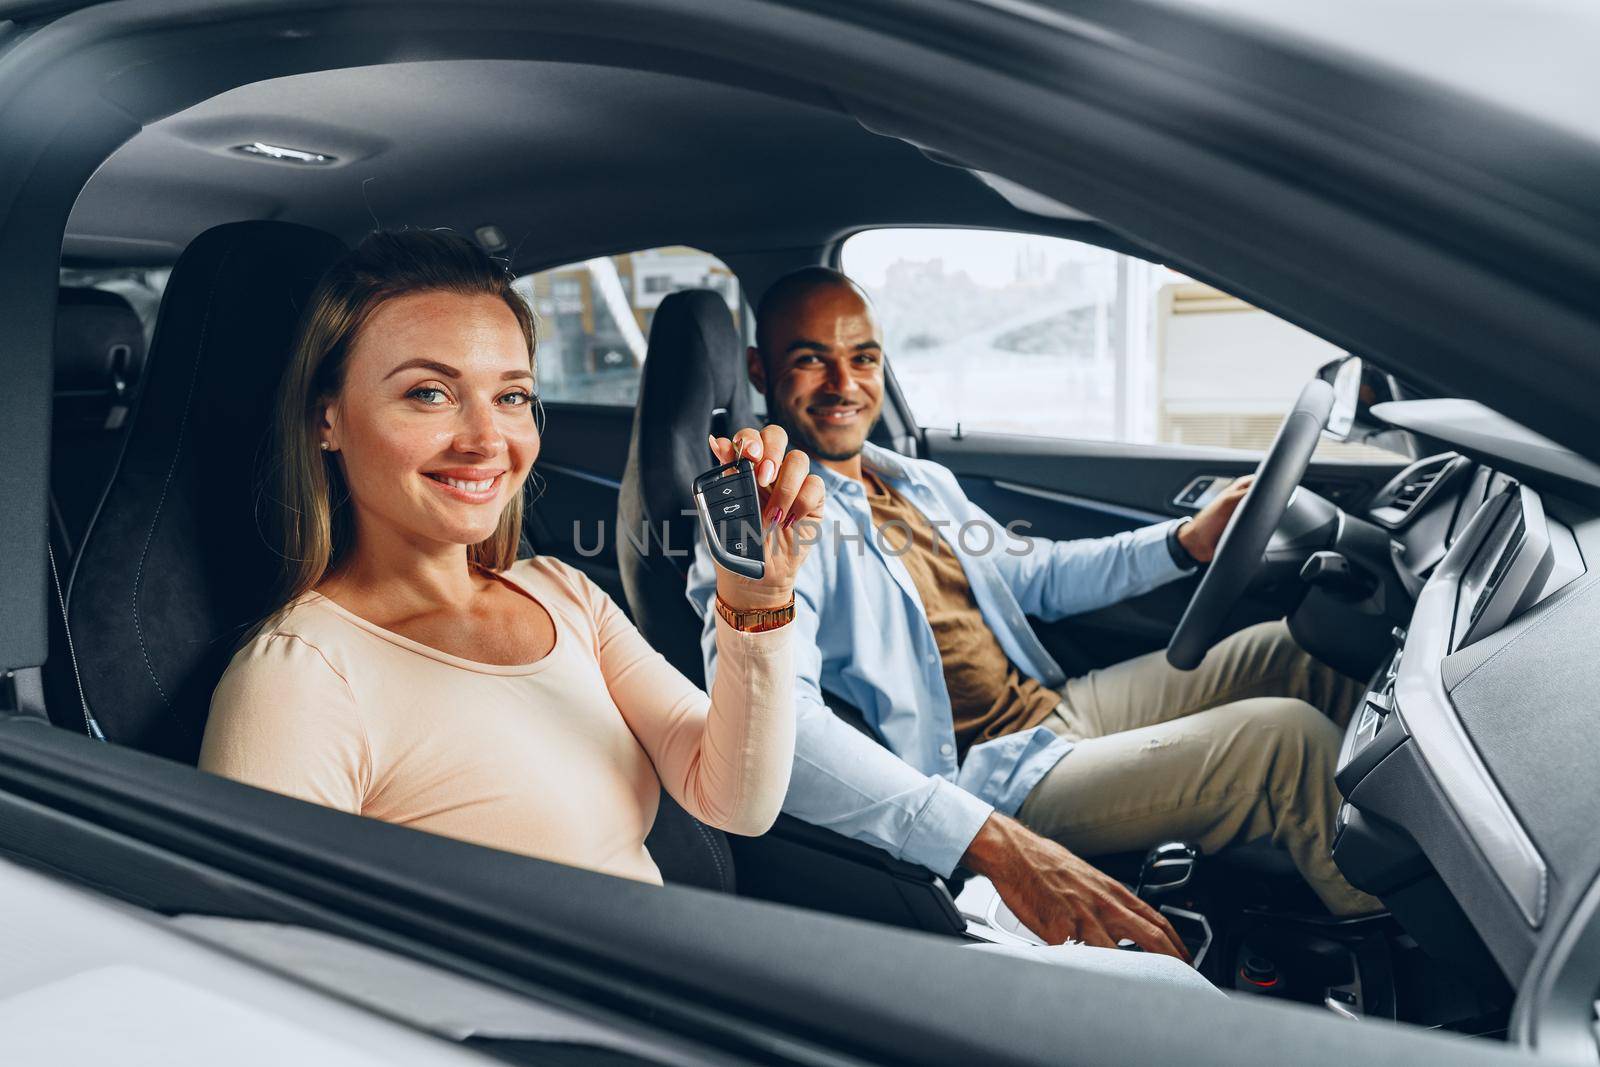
pixel 1425 825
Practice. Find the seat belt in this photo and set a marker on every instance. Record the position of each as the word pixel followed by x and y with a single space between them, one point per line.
pixel 90 726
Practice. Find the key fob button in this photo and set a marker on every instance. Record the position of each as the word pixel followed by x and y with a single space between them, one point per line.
pixel 745 544
pixel 736 508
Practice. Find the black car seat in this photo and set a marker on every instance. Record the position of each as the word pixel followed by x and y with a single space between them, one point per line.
pixel 174 569
pixel 98 363
pixel 693 384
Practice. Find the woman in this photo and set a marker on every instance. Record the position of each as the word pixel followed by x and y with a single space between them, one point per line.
pixel 417 671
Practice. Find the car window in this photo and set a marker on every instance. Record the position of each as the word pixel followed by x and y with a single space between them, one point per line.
pixel 594 317
pixel 1017 333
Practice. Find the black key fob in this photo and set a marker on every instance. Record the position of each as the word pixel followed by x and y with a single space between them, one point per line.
pixel 730 516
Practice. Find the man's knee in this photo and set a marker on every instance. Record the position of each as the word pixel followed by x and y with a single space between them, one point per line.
pixel 1273 639
pixel 1294 741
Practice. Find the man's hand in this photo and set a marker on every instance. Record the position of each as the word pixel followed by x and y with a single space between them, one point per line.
pixel 1059 896
pixel 1200 535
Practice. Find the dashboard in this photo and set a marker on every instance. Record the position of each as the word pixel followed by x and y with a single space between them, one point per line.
pixel 1468 772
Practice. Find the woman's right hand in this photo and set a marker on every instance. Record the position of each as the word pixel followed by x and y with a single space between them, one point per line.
pixel 789 496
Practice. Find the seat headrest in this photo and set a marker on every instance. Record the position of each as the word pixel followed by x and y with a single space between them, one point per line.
pixel 175 568
pixel 694 366
pixel 98 339
pixel 98 360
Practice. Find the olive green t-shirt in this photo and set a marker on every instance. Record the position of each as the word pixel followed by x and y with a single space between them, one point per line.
pixel 989 697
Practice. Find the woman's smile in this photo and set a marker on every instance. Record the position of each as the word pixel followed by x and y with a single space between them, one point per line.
pixel 470 486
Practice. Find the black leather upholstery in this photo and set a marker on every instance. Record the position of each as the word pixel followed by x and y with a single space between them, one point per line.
pixel 694 379
pixel 174 568
pixel 687 851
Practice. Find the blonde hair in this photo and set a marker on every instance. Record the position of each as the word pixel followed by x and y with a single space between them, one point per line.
pixel 315 531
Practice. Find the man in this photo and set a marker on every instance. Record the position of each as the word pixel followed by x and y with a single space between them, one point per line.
pixel 912 607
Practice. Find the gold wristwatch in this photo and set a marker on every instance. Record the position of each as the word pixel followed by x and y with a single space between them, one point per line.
pixel 756 620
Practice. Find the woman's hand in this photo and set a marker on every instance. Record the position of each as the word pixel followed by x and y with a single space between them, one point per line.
pixel 789 495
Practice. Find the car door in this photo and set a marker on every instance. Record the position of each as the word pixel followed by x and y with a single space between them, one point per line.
pixel 1080 392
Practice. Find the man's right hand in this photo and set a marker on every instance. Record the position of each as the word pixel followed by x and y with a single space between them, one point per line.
pixel 1059 896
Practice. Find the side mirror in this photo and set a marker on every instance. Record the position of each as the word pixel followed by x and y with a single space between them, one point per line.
pixel 1356 388
pixel 1346 395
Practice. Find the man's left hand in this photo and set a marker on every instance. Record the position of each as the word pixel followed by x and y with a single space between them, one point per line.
pixel 1200 535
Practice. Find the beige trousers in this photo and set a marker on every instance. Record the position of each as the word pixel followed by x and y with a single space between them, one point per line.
pixel 1240 749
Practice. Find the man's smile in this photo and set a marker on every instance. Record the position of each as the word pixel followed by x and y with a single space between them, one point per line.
pixel 835 414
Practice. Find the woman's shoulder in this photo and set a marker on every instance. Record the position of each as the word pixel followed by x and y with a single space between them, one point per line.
pixel 304 639
pixel 285 711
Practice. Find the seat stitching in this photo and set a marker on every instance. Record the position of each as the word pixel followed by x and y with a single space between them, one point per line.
pixel 716 853
pixel 166 485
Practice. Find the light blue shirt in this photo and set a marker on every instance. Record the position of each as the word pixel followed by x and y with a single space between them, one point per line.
pixel 860 631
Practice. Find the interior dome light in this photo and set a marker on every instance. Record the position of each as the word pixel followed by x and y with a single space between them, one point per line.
pixel 285 155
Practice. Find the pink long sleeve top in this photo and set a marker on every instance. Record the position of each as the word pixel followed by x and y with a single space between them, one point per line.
pixel 561 759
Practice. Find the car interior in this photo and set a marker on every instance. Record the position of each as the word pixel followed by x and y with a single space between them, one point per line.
pixel 1445 562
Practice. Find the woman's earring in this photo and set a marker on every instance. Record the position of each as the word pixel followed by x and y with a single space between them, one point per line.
pixel 325 446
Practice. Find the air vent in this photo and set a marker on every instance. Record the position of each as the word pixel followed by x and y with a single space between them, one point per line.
pixel 1411 492
pixel 1396 501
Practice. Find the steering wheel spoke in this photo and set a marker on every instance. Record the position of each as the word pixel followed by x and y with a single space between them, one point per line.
pixel 1245 541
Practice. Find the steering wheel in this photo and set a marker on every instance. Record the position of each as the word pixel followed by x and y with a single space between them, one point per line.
pixel 1239 553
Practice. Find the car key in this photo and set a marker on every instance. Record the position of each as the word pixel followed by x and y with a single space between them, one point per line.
pixel 730 514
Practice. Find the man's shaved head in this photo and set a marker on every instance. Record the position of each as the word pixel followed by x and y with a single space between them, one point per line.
pixel 792 290
pixel 818 359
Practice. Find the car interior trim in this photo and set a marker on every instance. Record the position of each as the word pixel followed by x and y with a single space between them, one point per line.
pixel 1459 771
pixel 1116 510
pixel 1488 435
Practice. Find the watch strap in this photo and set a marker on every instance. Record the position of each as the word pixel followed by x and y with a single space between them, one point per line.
pixel 1180 555
pixel 756 620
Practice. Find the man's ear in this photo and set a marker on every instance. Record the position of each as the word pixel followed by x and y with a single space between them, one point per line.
pixel 756 369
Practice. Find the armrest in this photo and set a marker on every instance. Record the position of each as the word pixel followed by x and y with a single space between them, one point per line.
pixel 810 867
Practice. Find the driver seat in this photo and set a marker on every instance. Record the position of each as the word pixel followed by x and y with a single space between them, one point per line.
pixel 174 569
pixel 693 384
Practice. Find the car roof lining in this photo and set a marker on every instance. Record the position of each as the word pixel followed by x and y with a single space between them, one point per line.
pixel 567 160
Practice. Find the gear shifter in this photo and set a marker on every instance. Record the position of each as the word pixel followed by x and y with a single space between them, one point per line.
pixel 1167 868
